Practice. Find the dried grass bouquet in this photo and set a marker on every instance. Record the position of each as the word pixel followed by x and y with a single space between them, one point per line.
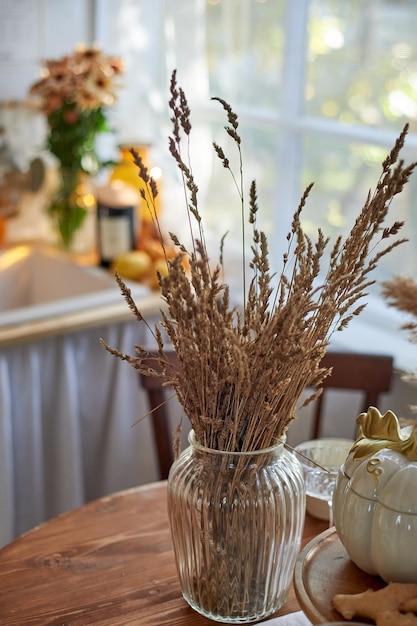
pixel 401 293
pixel 242 370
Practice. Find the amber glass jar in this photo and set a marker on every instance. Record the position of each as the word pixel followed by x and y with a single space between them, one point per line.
pixel 127 171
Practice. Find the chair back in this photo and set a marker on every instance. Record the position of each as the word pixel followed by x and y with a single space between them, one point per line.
pixel 162 434
pixel 369 373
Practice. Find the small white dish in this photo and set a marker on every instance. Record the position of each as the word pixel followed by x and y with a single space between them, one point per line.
pixel 321 460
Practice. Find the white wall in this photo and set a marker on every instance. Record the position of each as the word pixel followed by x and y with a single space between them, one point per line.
pixel 32 30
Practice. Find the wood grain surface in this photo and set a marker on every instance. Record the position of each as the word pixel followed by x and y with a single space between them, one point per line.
pixel 109 562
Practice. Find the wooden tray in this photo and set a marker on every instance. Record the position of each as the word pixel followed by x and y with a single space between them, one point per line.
pixel 322 570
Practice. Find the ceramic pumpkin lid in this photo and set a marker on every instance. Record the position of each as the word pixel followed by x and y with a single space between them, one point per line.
pixel 382 463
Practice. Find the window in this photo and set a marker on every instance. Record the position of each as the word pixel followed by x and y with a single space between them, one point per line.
pixel 322 89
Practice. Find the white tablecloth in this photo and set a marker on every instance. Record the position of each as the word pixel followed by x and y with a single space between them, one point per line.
pixel 66 412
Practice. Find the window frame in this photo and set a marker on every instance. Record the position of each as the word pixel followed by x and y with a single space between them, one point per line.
pixel 378 328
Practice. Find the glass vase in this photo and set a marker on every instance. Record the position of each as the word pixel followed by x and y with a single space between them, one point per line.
pixel 236 524
pixel 73 210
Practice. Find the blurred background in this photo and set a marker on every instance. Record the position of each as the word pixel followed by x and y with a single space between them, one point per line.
pixel 322 89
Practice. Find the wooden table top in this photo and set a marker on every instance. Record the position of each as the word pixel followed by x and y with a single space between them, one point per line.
pixel 109 562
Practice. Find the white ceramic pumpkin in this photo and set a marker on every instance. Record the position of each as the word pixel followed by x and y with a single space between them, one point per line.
pixel 375 498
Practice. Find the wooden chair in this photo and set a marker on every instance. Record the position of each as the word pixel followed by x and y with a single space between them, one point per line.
pixel 160 418
pixel 369 373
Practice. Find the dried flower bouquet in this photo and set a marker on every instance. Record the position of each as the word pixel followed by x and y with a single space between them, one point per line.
pixel 75 92
pixel 243 369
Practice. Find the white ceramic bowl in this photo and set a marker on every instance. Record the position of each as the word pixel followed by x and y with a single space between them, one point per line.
pixel 317 456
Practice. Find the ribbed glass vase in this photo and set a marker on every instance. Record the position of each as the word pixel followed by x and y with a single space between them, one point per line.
pixel 236 523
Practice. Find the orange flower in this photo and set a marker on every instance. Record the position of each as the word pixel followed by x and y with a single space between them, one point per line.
pixel 85 78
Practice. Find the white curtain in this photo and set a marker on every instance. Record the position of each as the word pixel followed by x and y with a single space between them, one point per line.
pixel 66 412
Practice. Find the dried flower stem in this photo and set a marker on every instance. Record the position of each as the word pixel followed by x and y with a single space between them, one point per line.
pixel 401 293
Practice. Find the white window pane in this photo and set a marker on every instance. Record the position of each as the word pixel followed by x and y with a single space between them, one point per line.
pixel 245 46
pixel 362 62
pixel 319 99
pixel 344 172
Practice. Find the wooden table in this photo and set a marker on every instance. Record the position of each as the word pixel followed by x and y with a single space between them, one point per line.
pixel 109 562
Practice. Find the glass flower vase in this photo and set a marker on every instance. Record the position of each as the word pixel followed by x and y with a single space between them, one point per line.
pixel 72 210
pixel 236 523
